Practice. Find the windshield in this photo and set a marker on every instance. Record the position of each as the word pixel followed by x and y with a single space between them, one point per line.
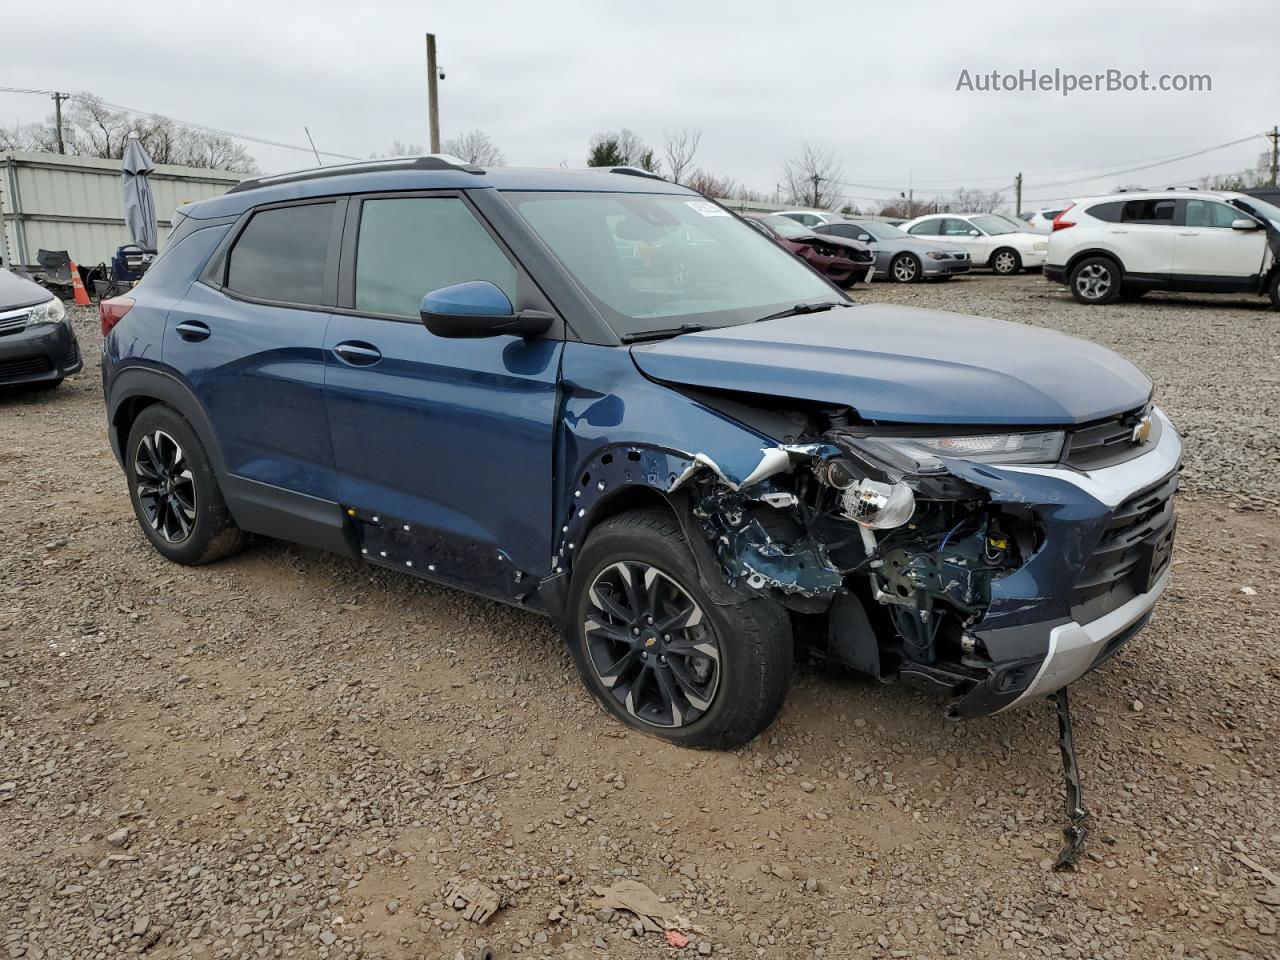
pixel 655 261
pixel 787 227
pixel 884 231
pixel 993 225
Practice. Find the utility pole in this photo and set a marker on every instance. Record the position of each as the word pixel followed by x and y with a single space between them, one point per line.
pixel 816 180
pixel 1275 152
pixel 433 104
pixel 58 119
pixel 1017 188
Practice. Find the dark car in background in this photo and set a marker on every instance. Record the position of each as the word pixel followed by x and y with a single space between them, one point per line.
pixel 488 379
pixel 841 260
pixel 37 344
pixel 899 256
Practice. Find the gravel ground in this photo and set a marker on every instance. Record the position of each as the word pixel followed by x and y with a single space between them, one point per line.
pixel 289 754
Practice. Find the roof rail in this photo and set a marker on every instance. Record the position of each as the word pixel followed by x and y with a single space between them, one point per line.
pixel 637 172
pixel 435 161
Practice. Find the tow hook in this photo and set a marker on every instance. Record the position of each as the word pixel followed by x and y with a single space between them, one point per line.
pixel 1077 815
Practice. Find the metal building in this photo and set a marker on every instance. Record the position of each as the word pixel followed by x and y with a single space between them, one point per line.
pixel 49 201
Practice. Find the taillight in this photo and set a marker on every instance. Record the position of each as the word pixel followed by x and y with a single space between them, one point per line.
pixel 112 311
pixel 1059 223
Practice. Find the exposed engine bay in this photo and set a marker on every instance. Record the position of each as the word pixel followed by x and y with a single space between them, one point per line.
pixel 823 521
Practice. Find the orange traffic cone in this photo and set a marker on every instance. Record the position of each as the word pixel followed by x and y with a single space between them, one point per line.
pixel 82 295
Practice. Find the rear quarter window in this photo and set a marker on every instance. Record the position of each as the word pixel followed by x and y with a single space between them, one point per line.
pixel 280 255
pixel 1107 212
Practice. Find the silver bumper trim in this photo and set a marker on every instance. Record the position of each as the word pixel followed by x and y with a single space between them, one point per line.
pixel 1073 647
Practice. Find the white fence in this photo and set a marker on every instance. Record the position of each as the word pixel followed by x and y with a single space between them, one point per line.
pixel 53 202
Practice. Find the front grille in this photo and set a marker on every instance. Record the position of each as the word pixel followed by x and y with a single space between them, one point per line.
pixel 26 367
pixel 13 322
pixel 1134 550
pixel 1108 442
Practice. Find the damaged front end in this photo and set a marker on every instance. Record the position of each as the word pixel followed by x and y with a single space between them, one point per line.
pixel 922 558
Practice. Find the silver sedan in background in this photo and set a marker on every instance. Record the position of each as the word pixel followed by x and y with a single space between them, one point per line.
pixel 899 256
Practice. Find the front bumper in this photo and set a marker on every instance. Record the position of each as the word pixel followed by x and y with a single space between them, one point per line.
pixel 39 354
pixel 940 268
pixel 1035 638
pixel 1034 260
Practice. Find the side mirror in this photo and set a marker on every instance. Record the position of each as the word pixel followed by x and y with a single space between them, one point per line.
pixel 478 308
pixel 1244 224
pixel 975 233
pixel 866 238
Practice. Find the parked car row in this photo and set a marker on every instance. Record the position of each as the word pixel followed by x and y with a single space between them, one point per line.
pixel 934 246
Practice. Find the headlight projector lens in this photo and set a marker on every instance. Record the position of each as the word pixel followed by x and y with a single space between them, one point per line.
pixel 880 506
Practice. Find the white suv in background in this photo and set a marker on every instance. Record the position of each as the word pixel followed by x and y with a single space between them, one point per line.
pixel 992 241
pixel 1123 245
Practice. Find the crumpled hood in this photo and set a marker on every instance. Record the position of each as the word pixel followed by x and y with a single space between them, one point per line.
pixel 907 365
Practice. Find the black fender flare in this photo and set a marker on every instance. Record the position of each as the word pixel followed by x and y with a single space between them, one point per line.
pixel 162 387
pixel 613 471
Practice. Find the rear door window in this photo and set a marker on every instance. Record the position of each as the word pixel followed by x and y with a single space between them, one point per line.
pixel 1157 212
pixel 926 228
pixel 280 255
pixel 409 246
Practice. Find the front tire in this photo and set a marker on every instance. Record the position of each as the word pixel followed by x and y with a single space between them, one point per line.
pixel 1006 262
pixel 905 268
pixel 1095 280
pixel 174 492
pixel 658 653
pixel 1274 290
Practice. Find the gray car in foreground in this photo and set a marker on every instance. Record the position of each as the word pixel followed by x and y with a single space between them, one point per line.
pixel 899 256
pixel 37 345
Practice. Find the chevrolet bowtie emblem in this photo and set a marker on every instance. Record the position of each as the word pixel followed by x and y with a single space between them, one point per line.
pixel 1142 431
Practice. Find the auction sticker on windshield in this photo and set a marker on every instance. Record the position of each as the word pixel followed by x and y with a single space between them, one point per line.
pixel 706 209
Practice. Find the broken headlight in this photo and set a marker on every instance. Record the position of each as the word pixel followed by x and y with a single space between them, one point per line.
pixel 917 455
pixel 880 506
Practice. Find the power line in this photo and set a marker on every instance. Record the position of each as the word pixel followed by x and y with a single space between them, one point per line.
pixel 203 128
pixel 894 186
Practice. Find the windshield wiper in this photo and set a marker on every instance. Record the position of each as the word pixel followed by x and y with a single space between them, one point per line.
pixel 800 308
pixel 662 334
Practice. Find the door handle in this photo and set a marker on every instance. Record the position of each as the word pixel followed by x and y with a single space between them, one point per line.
pixel 1188 233
pixel 358 353
pixel 1117 231
pixel 193 330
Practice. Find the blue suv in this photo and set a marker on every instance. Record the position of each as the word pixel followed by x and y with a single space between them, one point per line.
pixel 602 397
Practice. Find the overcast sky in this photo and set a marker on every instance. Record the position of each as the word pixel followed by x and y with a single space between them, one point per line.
pixel 873 82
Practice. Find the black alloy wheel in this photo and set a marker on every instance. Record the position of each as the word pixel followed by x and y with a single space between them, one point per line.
pixel 650 646
pixel 166 487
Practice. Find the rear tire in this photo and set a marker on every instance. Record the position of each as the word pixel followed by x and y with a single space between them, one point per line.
pixel 713 678
pixel 174 492
pixel 1095 280
pixel 905 268
pixel 1006 261
pixel 1274 290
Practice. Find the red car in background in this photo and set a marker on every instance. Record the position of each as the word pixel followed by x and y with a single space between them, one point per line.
pixel 842 261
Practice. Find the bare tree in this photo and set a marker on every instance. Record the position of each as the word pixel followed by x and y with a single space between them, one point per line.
pixel 474 146
pixel 973 201
pixel 680 147
pixel 90 128
pixel 813 177
pixel 400 149
pixel 710 185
